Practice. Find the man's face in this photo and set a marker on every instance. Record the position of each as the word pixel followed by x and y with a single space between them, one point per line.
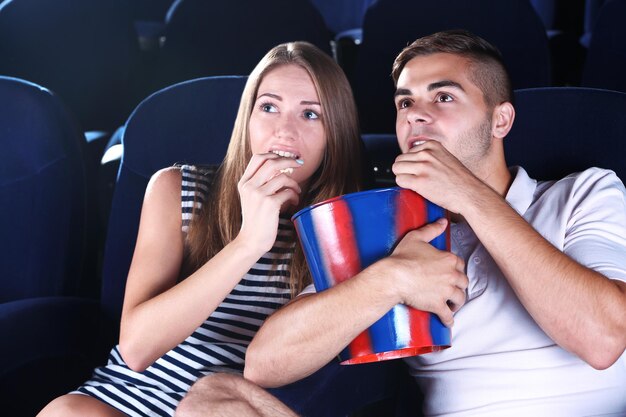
pixel 435 100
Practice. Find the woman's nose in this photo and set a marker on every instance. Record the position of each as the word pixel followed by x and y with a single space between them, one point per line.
pixel 286 128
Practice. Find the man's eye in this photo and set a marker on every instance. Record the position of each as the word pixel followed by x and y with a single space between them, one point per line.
pixel 444 98
pixel 403 104
pixel 311 115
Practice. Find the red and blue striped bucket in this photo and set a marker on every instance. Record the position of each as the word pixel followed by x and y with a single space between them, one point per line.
pixel 346 234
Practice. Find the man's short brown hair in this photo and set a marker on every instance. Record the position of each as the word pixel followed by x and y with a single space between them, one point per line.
pixel 486 67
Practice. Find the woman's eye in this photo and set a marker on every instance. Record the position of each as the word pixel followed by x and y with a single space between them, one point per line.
pixel 311 115
pixel 268 108
pixel 444 98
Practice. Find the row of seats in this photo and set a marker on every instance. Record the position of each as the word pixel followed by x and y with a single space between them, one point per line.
pixel 557 131
pixel 57 336
pixel 573 16
pixel 85 51
pixel 89 52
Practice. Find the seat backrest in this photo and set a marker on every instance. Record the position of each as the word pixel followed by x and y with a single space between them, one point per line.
pixel 557 131
pixel 561 130
pixel 605 66
pixel 42 194
pixel 190 122
pixel 381 150
pixel 84 51
pixel 590 17
pixel 215 37
pixel 546 10
pixel 151 10
pixel 342 15
pixel 390 25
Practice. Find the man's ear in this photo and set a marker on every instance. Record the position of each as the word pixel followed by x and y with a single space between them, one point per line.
pixel 502 120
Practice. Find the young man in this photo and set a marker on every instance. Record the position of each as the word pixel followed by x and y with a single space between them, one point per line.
pixel 537 287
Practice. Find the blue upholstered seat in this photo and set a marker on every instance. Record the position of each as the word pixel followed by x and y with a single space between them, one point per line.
pixel 42 194
pixel 560 130
pixel 84 51
pixel 606 59
pixel 215 37
pixel 44 237
pixel 390 25
pixel 557 131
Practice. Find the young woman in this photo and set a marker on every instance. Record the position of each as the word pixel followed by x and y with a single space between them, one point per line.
pixel 216 254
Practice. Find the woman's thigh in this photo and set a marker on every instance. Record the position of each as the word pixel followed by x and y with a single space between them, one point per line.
pixel 77 405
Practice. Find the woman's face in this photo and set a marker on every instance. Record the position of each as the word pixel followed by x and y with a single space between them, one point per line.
pixel 287 119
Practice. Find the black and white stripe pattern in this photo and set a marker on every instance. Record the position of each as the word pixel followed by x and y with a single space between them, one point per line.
pixel 194 188
pixel 218 345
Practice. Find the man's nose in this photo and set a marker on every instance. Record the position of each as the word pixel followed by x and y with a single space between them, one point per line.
pixel 418 113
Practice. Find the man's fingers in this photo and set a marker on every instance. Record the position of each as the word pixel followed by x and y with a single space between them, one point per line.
pixel 445 315
pixel 456 300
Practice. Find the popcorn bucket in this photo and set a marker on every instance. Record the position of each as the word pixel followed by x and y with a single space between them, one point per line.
pixel 346 234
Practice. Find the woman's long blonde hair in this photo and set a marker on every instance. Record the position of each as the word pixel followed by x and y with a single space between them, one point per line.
pixel 219 221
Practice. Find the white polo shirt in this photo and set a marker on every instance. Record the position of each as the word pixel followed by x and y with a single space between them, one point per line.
pixel 501 363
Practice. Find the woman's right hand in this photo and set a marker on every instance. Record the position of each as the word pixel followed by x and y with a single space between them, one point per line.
pixel 159 310
pixel 263 191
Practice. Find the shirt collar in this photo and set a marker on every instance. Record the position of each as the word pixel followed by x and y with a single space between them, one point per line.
pixel 522 190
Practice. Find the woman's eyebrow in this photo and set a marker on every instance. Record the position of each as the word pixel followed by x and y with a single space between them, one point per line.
pixel 279 98
pixel 271 95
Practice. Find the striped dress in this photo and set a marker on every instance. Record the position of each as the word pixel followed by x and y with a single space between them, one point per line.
pixel 218 345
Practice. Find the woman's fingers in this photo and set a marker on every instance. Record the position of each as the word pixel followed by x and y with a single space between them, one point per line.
pixel 254 164
pixel 279 182
pixel 264 167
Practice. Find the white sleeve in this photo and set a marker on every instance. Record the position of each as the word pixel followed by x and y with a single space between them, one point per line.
pixel 595 233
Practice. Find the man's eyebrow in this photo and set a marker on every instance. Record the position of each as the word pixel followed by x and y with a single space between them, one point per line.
pixel 431 87
pixel 402 92
pixel 444 83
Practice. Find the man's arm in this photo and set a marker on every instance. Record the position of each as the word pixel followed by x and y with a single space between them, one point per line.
pixel 582 310
pixel 309 332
